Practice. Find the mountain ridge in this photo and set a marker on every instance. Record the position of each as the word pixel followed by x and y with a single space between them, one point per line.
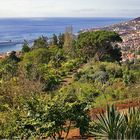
pixel 137 19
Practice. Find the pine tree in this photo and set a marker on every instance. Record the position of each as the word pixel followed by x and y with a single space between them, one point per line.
pixel 61 40
pixel 25 47
pixel 54 40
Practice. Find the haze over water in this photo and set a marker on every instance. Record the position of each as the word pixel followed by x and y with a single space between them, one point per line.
pixel 19 29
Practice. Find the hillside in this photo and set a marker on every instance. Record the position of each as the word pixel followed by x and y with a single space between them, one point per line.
pixel 51 89
pixel 125 26
pixel 130 33
pixel 137 19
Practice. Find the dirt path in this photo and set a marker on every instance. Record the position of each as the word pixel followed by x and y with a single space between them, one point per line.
pixel 121 106
pixel 69 78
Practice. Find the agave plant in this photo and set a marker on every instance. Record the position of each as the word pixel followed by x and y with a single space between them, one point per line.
pixel 114 125
pixel 132 124
pixel 109 125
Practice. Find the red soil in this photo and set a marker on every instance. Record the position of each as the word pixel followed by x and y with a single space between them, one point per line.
pixel 74 133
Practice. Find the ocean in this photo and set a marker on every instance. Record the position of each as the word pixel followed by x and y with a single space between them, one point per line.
pixel 19 29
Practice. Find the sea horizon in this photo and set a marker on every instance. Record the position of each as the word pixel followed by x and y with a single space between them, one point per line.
pixel 69 17
pixel 20 29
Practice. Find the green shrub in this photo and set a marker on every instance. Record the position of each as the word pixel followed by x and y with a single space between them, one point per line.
pixel 69 65
pixel 114 70
pixel 128 77
pixel 84 91
pixel 101 76
pixel 78 75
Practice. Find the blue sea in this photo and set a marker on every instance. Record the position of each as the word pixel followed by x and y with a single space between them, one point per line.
pixel 19 29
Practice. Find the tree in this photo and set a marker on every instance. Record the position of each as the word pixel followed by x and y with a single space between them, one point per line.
pixel 61 40
pixel 41 42
pixel 33 60
pixel 37 56
pixel 25 47
pixel 49 117
pixel 9 66
pixel 9 70
pixel 68 46
pixel 116 54
pixel 98 44
pixel 54 40
pixel 68 36
pixel 13 57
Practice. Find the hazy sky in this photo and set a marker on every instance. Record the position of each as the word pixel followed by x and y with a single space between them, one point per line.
pixel 69 8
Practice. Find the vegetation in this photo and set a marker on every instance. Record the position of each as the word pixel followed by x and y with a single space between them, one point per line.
pixel 114 125
pixel 99 44
pixel 25 47
pixel 49 89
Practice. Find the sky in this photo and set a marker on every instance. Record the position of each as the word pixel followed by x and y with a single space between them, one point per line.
pixel 69 8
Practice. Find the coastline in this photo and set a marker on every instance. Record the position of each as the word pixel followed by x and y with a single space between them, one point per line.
pixel 3 55
pixel 130 28
pixel 30 29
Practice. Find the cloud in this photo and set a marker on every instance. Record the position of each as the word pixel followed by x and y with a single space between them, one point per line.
pixel 108 12
pixel 59 8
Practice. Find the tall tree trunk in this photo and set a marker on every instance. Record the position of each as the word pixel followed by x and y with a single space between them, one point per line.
pixel 68 130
